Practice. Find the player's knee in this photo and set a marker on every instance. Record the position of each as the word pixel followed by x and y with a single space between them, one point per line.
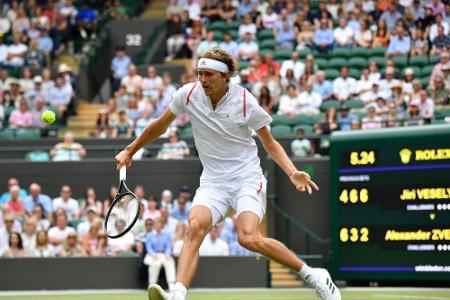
pixel 250 241
pixel 196 229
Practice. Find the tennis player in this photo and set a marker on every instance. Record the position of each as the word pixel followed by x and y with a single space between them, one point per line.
pixel 223 116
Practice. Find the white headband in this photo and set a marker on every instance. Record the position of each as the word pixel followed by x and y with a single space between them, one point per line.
pixel 208 63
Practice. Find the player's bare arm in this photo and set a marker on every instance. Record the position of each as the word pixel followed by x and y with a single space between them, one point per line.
pixel 153 131
pixel 301 180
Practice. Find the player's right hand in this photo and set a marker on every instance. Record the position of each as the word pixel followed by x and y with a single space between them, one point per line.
pixel 124 158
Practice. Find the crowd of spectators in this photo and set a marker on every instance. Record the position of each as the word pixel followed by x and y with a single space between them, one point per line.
pixel 34 224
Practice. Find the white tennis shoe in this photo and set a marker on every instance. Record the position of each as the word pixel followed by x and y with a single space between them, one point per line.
pixel 323 285
pixel 155 292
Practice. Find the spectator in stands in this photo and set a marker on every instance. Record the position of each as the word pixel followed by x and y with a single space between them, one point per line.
pixel 195 36
pixel 152 83
pixel 437 68
pixel 265 99
pixel 47 83
pixel 15 203
pixel 414 114
pixel 438 92
pixel 207 43
pixel 301 146
pixel 103 248
pixel 169 223
pixel 247 26
pixel 391 16
pixel 419 44
pixel 177 241
pixel 103 130
pixel 119 67
pixel 441 42
pixel 16 52
pixel 45 43
pixel 294 64
pixel 343 34
pixel 309 100
pixel 269 18
pixel 68 150
pixel 5 231
pixel 36 92
pixel 214 246
pixel 21 23
pixel 60 97
pixel 107 202
pixel 43 247
pixel 21 118
pixel 290 103
pixel 89 240
pixel 152 211
pixel 65 201
pixel 90 201
pixel 124 244
pixel 426 107
pixel 139 191
pixel 329 122
pixel 35 57
pixel 248 49
pixel 12 96
pixel 5 24
pixel 117 11
pixel 322 86
pixel 364 37
pixel 57 234
pixel 375 92
pixel 124 127
pixel 6 195
pixel 90 218
pixel 133 112
pixel 159 250
pixel 400 44
pixel 176 31
pixel 285 38
pixel 42 221
pixel 166 199
pixel 174 149
pixel 388 81
pixel 132 81
pixel 144 120
pixel 193 8
pixel 323 37
pixel 226 11
pixel 15 246
pixel 372 121
pixel 29 235
pixel 382 35
pixel 229 45
pixel 434 28
pixel 181 211
pixel 344 86
pixel 26 81
pixel 288 79
pixel 36 197
pixel 345 118
pixel 305 36
pixel 72 247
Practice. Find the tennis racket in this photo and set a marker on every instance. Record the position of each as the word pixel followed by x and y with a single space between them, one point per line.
pixel 124 210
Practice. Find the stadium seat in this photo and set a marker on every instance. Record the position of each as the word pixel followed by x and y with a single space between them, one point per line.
pixel 280 120
pixel 361 114
pixel 378 51
pixel 340 52
pixel 268 44
pixel 186 132
pixel 218 26
pixel 265 34
pixel 357 63
pixel 380 60
pixel 308 129
pixel 283 54
pixel 442 113
pixel 354 104
pixel 243 64
pixel 37 156
pixel 321 63
pixel 424 81
pixel 438 122
pixel 317 118
pixel 427 70
pixel 331 74
pixel 434 59
pixel 354 73
pixel 400 61
pixel 234 35
pixel 233 26
pixel 330 103
pixel 281 131
pixel 218 36
pixel 304 52
pixel 7 133
pixel 360 52
pixel 337 63
pixel 418 61
pixel 28 134
pixel 300 119
pixel 417 71
pixel 264 51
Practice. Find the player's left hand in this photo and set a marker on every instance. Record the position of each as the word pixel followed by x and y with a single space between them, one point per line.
pixel 302 182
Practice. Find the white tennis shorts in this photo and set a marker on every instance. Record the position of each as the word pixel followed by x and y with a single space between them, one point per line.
pixel 241 194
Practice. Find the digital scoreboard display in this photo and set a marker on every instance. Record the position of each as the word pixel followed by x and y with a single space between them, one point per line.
pixel 390 204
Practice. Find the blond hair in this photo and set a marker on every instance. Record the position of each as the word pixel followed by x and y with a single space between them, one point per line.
pixel 222 56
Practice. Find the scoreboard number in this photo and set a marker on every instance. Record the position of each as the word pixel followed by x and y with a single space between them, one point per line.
pixel 354 235
pixel 354 196
pixel 358 158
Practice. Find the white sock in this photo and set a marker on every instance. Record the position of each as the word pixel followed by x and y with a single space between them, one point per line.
pixel 305 271
pixel 180 287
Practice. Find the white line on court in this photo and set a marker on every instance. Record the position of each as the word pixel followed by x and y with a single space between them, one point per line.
pixel 410 297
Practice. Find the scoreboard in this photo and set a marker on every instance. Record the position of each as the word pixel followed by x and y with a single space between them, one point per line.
pixel 390 204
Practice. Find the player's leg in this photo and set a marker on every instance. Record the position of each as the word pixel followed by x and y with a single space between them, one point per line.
pixel 250 237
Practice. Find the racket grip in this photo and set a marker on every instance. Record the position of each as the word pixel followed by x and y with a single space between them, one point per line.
pixel 123 173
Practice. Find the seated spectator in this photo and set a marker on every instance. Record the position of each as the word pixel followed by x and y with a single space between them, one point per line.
pixel 132 81
pixel 370 97
pixel 248 49
pixel 363 37
pixel 15 203
pixel 181 211
pixel 124 244
pixel 226 11
pixel 323 37
pixel 345 118
pixel 68 150
pixel 290 103
pixel 89 219
pixel 6 195
pixel 152 211
pixel 123 128
pixel 329 123
pixel 47 83
pixel 58 234
pixel 438 92
pixel 247 27
pixel 26 81
pixel 372 121
pixel 117 11
pixel 65 202
pixel 343 35
pixel 344 86
pixel 434 28
pixel 176 32
pixel 301 146
pixel 207 43
pixel 103 129
pixel 229 45
pixel 21 118
pixel 12 96
pixel 36 197
pixel 288 79
pixel 43 247
pixel 440 43
pixel 90 238
pixel 414 114
pixel 103 248
pixel 16 52
pixel 388 81
pixel 285 37
pixel 426 107
pixel 390 16
pixel 169 223
pixel 144 120
pixel 400 44
pixel 119 67
pixel 60 97
pixel 21 23
pixel 90 201
pixel 437 70
pixel 193 8
pixel 309 100
pixel 152 83
pixel 29 235
pixel 174 149
pixel 72 247
pixel 382 35
pixel 36 92
pixel 322 86
pixel 5 24
pixel 45 44
pixel 35 57
pixel 166 199
pixel 159 248
pixel 15 246
pixel 178 238
pixel 294 64
pixel 212 245
pixel 382 108
pixel 305 36
pixel 419 44
pixel 42 221
pixel 195 36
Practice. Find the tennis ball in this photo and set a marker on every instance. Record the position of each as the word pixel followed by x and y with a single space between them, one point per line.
pixel 48 117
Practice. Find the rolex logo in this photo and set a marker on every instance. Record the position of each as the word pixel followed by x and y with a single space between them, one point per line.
pixel 405 156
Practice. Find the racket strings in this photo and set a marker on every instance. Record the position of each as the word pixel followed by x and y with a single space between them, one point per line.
pixel 122 215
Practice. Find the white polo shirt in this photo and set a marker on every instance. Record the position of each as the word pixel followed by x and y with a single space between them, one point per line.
pixel 223 136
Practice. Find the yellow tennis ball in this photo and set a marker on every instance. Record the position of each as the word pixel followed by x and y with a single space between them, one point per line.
pixel 48 117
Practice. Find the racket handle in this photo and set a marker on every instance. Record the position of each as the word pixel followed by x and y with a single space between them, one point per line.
pixel 123 173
